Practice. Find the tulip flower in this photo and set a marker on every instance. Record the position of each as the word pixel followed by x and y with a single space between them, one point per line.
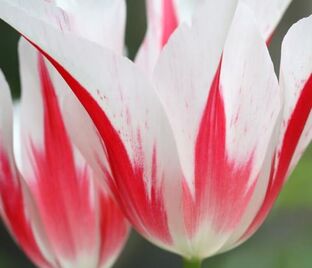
pixel 49 198
pixel 198 145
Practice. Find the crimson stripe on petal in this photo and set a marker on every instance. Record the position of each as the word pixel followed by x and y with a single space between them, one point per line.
pixel 222 192
pixel 61 189
pixel 292 136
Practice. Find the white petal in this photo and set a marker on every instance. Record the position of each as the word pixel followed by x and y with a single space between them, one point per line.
pixel 28 231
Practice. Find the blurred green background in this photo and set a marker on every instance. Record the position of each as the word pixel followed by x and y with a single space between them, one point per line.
pixel 284 241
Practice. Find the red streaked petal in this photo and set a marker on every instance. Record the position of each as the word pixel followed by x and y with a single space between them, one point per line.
pixel 296 83
pixel 16 206
pixel 62 191
pixel 15 211
pixel 294 129
pixel 114 230
pixel 293 132
pixel 253 104
pixel 216 178
pixel 61 181
pixel 234 139
pixel 295 75
pixel 214 170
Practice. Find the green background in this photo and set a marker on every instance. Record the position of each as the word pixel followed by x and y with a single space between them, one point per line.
pixel 285 239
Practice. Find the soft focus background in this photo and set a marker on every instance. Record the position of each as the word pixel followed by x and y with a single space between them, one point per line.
pixel 284 241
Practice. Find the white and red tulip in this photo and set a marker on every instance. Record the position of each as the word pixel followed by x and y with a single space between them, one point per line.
pixel 49 199
pixel 197 150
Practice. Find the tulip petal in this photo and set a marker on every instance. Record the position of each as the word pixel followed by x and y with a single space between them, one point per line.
pixel 249 87
pixel 114 231
pixel 16 204
pixel 64 192
pixel 221 165
pixel 252 104
pixel 113 227
pixel 99 21
pixel 295 136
